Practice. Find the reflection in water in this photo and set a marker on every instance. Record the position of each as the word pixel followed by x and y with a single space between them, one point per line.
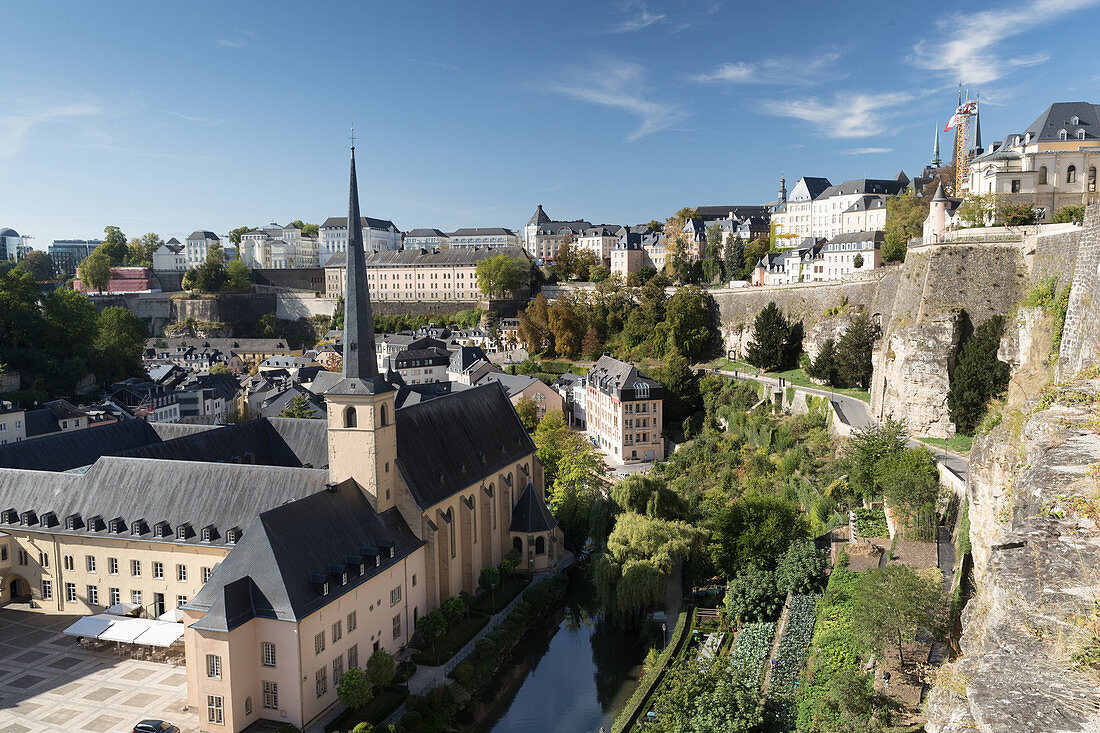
pixel 574 678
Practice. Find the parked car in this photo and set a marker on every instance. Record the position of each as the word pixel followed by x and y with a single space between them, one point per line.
pixel 155 726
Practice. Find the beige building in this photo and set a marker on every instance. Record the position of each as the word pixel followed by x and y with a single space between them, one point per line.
pixel 866 214
pixel 625 411
pixel 1050 164
pixel 416 275
pixel 13 426
pixel 521 386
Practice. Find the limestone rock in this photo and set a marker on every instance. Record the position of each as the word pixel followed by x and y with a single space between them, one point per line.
pixel 915 375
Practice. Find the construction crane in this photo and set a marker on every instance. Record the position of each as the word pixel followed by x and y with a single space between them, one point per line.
pixel 966 110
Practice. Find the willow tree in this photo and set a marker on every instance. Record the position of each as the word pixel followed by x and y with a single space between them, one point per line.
pixel 641 553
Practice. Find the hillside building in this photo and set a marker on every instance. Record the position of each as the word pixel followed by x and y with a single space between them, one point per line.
pixel 624 411
pixel 379 235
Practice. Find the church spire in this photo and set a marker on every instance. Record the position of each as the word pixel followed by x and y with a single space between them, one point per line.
pixel 360 361
pixel 936 162
pixel 977 130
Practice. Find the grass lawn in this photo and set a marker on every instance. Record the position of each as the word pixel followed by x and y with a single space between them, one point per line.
pixel 799 378
pixel 381 705
pixel 455 639
pixel 503 596
pixel 958 443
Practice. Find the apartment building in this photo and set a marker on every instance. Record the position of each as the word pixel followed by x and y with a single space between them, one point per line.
pixel 416 275
pixel 426 238
pixel 379 235
pixel 67 254
pixel 197 245
pixel 483 237
pixel 275 247
pixel 624 411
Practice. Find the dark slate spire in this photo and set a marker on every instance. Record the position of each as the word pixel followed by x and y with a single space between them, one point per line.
pixel 360 361
pixel 936 161
pixel 977 131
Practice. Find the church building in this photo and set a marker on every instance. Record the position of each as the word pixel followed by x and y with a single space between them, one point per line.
pixel 319 542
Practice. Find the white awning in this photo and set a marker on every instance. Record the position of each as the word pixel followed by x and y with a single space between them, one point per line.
pixel 122 609
pixel 161 633
pixel 126 629
pixel 90 626
pixel 173 614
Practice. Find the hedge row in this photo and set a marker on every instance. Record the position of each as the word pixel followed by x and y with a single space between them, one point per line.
pixel 653 676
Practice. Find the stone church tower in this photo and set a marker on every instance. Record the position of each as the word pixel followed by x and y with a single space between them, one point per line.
pixel 362 435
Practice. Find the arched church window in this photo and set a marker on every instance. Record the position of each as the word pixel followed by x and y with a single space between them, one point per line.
pixel 382 416
pixel 540 545
pixel 517 545
pixel 1071 174
pixel 451 522
pixel 349 417
pixel 1042 175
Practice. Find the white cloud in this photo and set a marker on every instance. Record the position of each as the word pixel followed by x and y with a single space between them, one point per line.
pixel 772 71
pixel 848 115
pixel 237 42
pixel 437 64
pixel 970 53
pixel 639 18
pixel 621 85
pixel 866 151
pixel 16 128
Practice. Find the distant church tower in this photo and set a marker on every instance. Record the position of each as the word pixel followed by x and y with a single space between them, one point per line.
pixel 782 198
pixel 936 161
pixel 362 435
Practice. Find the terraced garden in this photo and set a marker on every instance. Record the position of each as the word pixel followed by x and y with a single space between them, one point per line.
pixel 751 648
pixel 794 645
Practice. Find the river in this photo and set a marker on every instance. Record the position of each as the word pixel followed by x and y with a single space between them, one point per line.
pixel 573 678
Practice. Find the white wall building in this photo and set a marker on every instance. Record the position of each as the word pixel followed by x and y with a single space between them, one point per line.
pixel 196 247
pixel 599 240
pixel 170 257
pixel 275 247
pixel 379 235
pixel 491 237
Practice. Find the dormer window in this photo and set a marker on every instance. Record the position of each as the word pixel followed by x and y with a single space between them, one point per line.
pixel 8 516
pixel 233 535
pixel 73 522
pixel 391 552
pixel 344 578
pixel 28 517
pixel 96 523
pixel 1075 120
pixel 208 533
pixel 139 527
pixel 362 568
pixel 49 519
pixel 1062 134
pixel 324 588
pixel 377 560
pixel 184 531
pixel 1027 138
pixel 1080 134
pixel 161 529
pixel 117 526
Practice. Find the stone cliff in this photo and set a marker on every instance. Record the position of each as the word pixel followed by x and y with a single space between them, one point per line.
pixel 1033 627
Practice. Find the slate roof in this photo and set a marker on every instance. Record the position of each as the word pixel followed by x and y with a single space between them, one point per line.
pixel 465 357
pixel 530 513
pixel 277 569
pixel 201 234
pixel 65 451
pixel 866 203
pixel 611 375
pixel 221 495
pixel 514 384
pixel 425 233
pixel 539 217
pixel 341 222
pixel 740 211
pixel 290 442
pixel 445 444
pixel 1056 118
pixel 222 344
pixel 481 231
pixel 877 237
pixel 882 186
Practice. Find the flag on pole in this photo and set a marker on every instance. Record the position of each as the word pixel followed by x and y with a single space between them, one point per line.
pixel 963 110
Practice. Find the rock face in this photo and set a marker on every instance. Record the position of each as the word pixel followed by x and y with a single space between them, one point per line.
pixel 913 375
pixel 828 327
pixel 1036 605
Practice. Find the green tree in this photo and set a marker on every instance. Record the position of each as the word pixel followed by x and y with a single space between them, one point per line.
pixel 1067 214
pixel 824 366
pixel 681 385
pixel 120 337
pixel 801 569
pixel 771 339
pixel 432 626
pixel 910 479
pixel 528 412
pixel 752 595
pixel 551 437
pixel 905 217
pixel 863 451
pixel 735 259
pixel 141 249
pixel 978 209
pixel 354 689
pixel 978 376
pixel 578 485
pixel 308 230
pixel 502 274
pixel 38 264
pixel 567 328
pixel 631 573
pixel 1016 214
pixel 299 407
pixel 534 325
pixel 452 609
pixel 235 236
pixel 853 352
pixel 489 581
pixel 755 530
pixel 220 368
pixel 599 273
pixel 72 323
pixel 857 261
pixel 238 276
pixel 95 271
pixel 381 669
pixel 114 246
pixel 892 604
pixel 692 317
pixel 848 704
pixel 753 251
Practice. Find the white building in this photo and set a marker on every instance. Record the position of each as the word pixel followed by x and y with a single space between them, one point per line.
pixel 379 235
pixel 542 236
pixel 170 257
pixel 10 241
pixel 795 214
pixel 866 214
pixel 827 210
pixel 490 237
pixel 426 239
pixel 275 247
pixel 599 240
pixel 196 247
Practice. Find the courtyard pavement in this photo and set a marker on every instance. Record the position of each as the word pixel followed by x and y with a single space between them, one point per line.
pixel 49 683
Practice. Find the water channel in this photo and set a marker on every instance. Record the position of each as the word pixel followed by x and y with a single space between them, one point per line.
pixel 573 678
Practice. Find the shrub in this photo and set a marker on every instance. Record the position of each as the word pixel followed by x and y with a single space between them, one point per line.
pixel 363 727
pixel 801 569
pixel 380 669
pixel 354 689
pixel 752 596
pixel 412 720
pixel 465 674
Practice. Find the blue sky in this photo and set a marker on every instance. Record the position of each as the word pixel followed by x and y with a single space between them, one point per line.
pixel 170 118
